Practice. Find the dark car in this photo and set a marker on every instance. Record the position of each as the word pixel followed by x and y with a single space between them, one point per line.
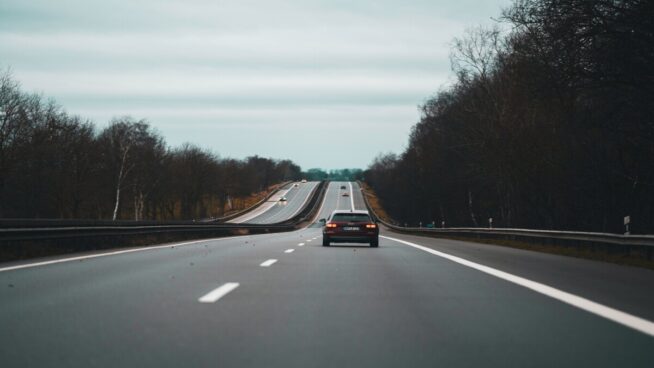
pixel 342 186
pixel 350 227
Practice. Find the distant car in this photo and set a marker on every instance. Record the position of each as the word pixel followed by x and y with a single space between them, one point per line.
pixel 346 194
pixel 342 186
pixel 350 227
pixel 283 199
pixel 304 180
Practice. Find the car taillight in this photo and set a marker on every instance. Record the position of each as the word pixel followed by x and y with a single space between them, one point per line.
pixel 371 226
pixel 330 225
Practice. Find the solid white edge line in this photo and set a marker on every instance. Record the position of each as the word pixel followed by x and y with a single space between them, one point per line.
pixel 263 208
pixel 324 199
pixel 304 202
pixel 218 293
pixel 79 258
pixel 625 319
pixel 274 218
pixel 268 263
pixel 289 250
pixel 351 195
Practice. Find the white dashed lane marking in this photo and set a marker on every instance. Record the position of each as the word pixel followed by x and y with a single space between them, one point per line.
pixel 214 295
pixel 268 263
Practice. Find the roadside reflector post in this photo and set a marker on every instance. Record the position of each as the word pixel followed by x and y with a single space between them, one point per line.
pixel 420 224
pixel 490 222
pixel 627 221
pixel 443 224
pixel 405 225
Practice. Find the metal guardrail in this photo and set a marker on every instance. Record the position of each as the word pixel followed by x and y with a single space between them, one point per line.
pixel 25 229
pixel 236 214
pixel 34 233
pixel 642 244
pixel 312 206
pixel 23 238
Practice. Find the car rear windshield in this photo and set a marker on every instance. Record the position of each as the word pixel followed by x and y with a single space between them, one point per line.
pixel 351 217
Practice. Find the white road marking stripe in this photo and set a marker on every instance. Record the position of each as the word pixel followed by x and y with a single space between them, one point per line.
pixel 300 244
pixel 270 203
pixel 268 263
pixel 351 195
pixel 218 293
pixel 289 250
pixel 305 200
pixel 625 319
pixel 80 258
pixel 309 240
pixel 317 216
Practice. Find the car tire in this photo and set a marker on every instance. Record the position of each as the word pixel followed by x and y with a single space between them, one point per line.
pixel 325 241
pixel 374 243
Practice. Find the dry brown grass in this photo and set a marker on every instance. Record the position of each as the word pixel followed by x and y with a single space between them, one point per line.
pixel 241 203
pixel 374 202
pixel 598 255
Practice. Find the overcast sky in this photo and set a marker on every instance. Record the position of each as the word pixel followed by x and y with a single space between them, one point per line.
pixel 325 83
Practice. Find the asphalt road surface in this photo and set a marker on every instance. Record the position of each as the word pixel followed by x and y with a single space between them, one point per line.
pixel 283 300
pixel 274 210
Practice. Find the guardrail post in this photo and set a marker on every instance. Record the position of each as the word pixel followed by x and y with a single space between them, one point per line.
pixel 627 221
pixel 490 222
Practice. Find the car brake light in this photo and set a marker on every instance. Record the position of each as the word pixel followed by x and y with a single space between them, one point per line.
pixel 371 226
pixel 331 225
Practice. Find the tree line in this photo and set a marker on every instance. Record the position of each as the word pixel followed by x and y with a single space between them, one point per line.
pixel 317 174
pixel 548 125
pixel 57 165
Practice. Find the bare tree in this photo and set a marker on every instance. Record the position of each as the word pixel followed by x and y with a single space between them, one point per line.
pixel 475 54
pixel 55 165
pixel 120 139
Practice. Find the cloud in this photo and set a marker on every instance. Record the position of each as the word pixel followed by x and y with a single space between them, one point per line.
pixel 306 73
pixel 242 83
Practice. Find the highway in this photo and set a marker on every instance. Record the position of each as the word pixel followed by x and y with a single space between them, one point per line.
pixel 274 210
pixel 283 300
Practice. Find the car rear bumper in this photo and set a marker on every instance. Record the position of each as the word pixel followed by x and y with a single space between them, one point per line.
pixel 350 238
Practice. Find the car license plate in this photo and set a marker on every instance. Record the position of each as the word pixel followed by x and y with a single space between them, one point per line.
pixel 350 228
